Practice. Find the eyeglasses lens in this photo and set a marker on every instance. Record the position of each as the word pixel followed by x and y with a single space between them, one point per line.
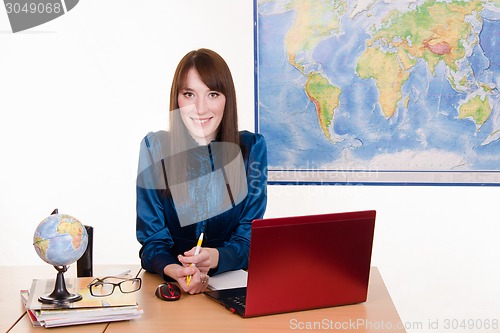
pixel 131 285
pixel 101 289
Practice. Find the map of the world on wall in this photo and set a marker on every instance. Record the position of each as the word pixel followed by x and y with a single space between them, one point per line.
pixel 379 91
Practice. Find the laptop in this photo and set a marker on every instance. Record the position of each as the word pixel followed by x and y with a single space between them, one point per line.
pixel 304 262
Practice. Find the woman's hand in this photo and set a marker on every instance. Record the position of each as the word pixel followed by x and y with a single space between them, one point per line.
pixel 205 260
pixel 196 266
pixel 199 280
pixel 202 260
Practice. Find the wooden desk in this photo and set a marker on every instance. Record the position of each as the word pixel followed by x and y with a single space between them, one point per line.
pixel 197 313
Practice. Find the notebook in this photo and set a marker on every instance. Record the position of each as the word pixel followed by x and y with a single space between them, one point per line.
pixel 304 262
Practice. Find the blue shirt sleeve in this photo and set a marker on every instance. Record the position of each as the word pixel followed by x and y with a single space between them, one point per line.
pixel 151 227
pixel 152 233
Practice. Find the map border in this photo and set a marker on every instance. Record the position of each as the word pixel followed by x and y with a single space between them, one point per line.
pixel 363 177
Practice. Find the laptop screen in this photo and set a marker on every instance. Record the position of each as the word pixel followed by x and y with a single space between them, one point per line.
pixel 307 262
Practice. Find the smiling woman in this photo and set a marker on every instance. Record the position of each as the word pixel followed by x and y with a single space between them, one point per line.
pixel 201 108
pixel 200 79
pixel 202 176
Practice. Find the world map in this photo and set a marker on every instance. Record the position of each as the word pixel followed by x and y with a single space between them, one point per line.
pixel 379 91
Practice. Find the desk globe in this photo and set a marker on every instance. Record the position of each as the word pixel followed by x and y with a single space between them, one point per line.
pixel 60 240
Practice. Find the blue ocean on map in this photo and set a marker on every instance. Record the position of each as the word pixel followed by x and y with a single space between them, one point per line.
pixel 360 133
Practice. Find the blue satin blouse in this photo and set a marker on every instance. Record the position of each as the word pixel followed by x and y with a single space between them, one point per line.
pixel 163 237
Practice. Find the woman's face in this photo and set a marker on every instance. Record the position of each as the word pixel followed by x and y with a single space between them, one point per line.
pixel 201 108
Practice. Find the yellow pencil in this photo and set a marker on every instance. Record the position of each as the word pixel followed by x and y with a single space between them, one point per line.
pixel 196 251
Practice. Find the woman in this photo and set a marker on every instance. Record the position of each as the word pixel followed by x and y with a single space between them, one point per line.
pixel 202 176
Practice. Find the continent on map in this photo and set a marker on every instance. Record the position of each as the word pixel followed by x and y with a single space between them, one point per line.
pixel 325 97
pixel 314 22
pixel 477 109
pixel 72 228
pixel 389 75
pixel 42 245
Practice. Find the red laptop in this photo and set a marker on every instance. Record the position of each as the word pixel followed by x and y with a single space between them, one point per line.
pixel 304 262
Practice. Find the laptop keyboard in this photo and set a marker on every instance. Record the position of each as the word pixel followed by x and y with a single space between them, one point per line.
pixel 240 300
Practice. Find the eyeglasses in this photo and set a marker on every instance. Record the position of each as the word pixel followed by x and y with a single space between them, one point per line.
pixel 100 287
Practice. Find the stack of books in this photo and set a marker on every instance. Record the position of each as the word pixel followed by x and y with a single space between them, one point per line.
pixel 115 307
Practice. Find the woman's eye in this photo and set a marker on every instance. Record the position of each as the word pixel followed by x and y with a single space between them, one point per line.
pixel 214 94
pixel 188 94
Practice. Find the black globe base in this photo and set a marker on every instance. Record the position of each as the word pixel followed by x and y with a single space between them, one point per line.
pixel 60 294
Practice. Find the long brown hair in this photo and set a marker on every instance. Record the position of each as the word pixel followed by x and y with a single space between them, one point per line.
pixel 215 74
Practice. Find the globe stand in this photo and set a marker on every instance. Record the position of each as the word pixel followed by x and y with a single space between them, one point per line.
pixel 60 293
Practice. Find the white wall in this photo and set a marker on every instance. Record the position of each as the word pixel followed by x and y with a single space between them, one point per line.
pixel 78 93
